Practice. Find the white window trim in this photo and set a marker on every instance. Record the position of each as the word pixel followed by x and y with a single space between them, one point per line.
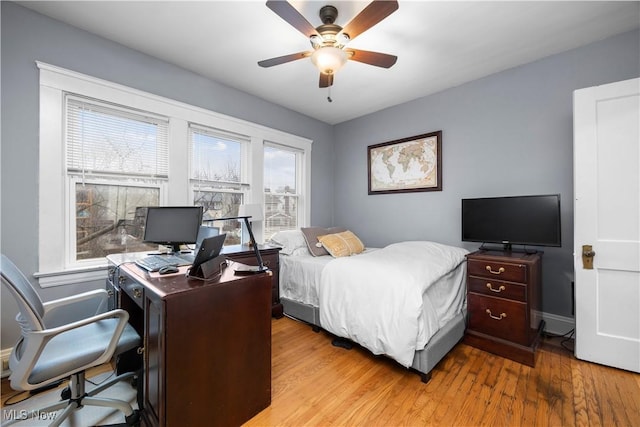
pixel 53 267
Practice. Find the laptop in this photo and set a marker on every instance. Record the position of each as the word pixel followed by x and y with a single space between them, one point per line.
pixel 208 250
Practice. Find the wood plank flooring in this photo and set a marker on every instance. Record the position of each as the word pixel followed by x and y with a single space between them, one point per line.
pixel 317 384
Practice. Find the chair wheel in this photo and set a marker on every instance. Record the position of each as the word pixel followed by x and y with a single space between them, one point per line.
pixel 133 419
pixel 65 394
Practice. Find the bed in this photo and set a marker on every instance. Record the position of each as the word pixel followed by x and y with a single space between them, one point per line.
pixel 406 301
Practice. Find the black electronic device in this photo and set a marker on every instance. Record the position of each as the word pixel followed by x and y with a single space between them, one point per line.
pixel 168 269
pixel 208 261
pixel 514 220
pixel 172 225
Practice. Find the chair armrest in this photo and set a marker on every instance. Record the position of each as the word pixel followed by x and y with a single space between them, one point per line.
pixel 36 341
pixel 73 308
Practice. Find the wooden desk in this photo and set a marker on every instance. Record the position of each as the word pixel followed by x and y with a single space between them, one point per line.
pixel 207 345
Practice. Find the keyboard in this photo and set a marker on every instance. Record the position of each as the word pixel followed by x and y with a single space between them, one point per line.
pixel 155 262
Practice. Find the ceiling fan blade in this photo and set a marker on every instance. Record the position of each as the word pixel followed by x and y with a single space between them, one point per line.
pixel 372 58
pixel 375 12
pixel 290 14
pixel 326 80
pixel 283 59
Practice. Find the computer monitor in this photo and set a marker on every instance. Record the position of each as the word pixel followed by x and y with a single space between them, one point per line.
pixel 172 225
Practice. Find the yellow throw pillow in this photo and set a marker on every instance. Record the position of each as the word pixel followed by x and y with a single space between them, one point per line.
pixel 341 244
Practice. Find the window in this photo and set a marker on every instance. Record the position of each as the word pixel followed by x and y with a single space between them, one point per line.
pixel 218 171
pixel 107 149
pixel 124 156
pixel 108 218
pixel 281 177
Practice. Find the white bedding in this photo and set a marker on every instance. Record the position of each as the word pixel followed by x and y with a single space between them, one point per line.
pixel 300 276
pixel 392 300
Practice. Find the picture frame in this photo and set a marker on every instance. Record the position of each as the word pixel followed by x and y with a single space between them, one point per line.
pixel 406 165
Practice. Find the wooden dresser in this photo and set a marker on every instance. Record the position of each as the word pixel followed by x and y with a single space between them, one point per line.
pixel 503 303
pixel 270 258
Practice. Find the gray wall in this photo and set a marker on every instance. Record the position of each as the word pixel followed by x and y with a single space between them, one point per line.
pixel 510 133
pixel 27 37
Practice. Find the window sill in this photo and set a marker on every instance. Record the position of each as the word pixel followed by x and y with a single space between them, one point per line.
pixel 72 276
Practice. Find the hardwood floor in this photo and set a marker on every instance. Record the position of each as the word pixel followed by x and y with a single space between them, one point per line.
pixel 317 384
pixel 314 383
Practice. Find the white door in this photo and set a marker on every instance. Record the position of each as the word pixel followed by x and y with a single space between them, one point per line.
pixel 607 217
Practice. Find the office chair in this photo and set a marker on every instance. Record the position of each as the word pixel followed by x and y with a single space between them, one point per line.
pixel 49 351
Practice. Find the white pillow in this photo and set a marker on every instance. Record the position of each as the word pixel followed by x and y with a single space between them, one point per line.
pixel 301 251
pixel 289 241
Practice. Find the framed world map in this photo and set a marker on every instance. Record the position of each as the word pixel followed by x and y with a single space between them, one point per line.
pixel 406 165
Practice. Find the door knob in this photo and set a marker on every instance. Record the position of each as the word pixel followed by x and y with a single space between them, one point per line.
pixel 587 257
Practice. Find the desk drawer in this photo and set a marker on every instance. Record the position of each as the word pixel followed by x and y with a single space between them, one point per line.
pixel 133 289
pixel 497 270
pixel 497 288
pixel 498 317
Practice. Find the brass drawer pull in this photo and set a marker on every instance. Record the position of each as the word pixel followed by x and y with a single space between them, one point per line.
pixel 490 270
pixel 500 289
pixel 137 292
pixel 502 315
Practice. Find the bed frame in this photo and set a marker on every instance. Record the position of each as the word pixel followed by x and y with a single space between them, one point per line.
pixel 423 361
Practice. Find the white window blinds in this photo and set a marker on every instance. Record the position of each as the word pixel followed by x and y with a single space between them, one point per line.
pixel 108 139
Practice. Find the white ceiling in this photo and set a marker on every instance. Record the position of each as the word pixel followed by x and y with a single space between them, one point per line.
pixel 439 44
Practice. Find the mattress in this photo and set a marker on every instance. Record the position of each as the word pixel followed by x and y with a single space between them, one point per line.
pixel 300 278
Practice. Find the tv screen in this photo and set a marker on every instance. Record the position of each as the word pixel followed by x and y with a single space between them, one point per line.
pixel 172 225
pixel 515 220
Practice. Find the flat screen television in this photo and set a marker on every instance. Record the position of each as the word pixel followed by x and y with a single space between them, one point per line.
pixel 172 225
pixel 514 220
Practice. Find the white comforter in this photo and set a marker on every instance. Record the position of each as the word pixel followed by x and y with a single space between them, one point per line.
pixel 376 298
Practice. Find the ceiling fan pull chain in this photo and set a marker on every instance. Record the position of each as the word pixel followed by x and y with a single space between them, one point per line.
pixel 329 94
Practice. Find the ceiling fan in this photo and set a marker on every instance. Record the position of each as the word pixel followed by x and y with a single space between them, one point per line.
pixel 329 40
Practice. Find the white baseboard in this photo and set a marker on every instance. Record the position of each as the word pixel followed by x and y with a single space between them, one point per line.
pixel 558 325
pixel 4 355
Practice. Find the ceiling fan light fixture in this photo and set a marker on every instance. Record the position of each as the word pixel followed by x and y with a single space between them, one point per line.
pixel 329 59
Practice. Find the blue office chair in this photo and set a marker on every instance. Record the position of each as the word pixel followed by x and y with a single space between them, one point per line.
pixel 49 351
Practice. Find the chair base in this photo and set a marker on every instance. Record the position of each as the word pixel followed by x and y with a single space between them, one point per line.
pixel 76 397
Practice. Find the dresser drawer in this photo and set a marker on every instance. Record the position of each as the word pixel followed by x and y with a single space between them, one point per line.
pixel 497 270
pixel 499 317
pixel 132 288
pixel 497 288
pixel 268 259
